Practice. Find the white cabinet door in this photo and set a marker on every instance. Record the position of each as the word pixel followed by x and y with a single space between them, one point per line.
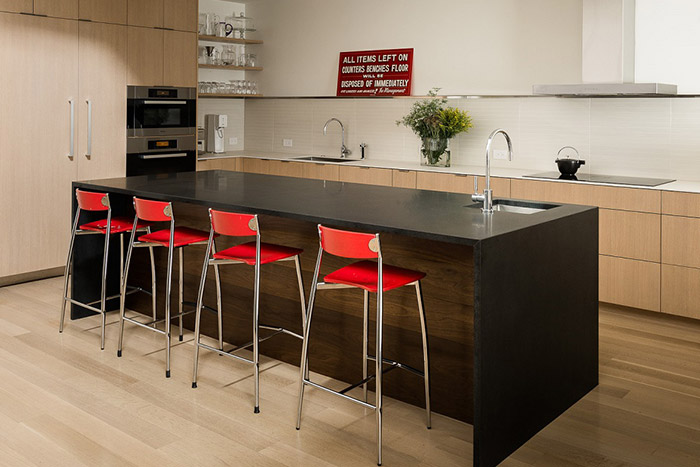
pixel 39 79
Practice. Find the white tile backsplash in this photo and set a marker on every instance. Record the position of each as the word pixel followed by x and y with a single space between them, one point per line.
pixel 653 137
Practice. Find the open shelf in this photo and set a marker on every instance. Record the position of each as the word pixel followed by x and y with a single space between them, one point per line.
pixel 229 40
pixel 231 67
pixel 227 96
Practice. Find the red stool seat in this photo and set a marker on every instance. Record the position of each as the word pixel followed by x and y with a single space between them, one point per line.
pixel 363 274
pixel 182 236
pixel 269 253
pixel 119 225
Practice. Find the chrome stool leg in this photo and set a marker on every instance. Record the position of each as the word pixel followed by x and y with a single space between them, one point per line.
pixel 67 271
pixel 198 315
pixel 426 356
pixel 153 276
pixel 103 293
pixel 379 364
pixel 219 309
pixel 181 284
pixel 365 331
pixel 302 299
pixel 122 300
pixel 256 330
pixel 168 289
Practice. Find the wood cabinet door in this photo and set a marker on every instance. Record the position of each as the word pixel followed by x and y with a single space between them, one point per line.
pixel 628 234
pixel 17 6
pixel 629 282
pixel 222 163
pixel 181 15
pixel 403 178
pixel 367 175
pixel 103 11
pixel 35 136
pixel 320 171
pixel 437 181
pixel 145 56
pixel 285 168
pixel 147 13
pixel 253 165
pixel 180 59
pixel 57 8
pixel 102 131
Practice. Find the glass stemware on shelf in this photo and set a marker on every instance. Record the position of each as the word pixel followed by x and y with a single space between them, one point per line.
pixel 238 87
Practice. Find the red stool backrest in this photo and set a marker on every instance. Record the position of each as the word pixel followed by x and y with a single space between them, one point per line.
pixel 349 244
pixel 90 201
pixel 233 224
pixel 153 211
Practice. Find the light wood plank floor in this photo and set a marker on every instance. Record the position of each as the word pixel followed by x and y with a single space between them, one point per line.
pixel 64 402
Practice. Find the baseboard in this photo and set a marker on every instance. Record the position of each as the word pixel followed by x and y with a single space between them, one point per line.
pixel 31 276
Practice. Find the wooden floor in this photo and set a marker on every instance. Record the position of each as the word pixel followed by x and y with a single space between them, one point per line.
pixel 65 402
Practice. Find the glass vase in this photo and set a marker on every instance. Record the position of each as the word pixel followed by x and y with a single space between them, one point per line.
pixel 435 152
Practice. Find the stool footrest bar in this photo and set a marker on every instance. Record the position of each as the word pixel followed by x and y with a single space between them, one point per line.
pixel 149 326
pixel 344 396
pixel 280 330
pixel 84 305
pixel 226 353
pixel 395 364
pixel 366 380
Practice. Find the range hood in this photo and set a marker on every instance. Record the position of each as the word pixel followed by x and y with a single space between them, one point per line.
pixel 606 89
pixel 607 55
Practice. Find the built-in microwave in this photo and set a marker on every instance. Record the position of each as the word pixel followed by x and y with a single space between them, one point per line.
pixel 159 111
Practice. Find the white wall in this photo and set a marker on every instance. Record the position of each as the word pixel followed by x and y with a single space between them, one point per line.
pixel 461 46
pixel 668 43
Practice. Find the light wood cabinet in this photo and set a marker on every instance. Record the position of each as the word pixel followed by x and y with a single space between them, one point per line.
pixel 285 168
pixel 403 178
pixel 437 181
pixel 500 186
pixel 627 199
pixel 103 11
pixel 17 6
pixel 181 15
pixel 222 163
pixel 630 282
pixel 321 171
pixel 179 59
pixel 253 165
pixel 147 13
pixel 145 56
pixel 35 172
pixel 680 293
pixel 57 8
pixel 628 234
pixel 102 78
pixel 366 175
pixel 681 241
pixel 680 204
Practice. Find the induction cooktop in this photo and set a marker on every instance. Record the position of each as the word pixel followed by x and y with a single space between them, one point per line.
pixel 596 178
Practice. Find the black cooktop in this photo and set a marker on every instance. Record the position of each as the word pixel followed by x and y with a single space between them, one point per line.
pixel 595 178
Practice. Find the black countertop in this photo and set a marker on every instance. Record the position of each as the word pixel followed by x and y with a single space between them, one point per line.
pixel 418 213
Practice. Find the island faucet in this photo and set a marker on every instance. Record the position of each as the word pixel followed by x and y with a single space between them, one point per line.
pixel 487 196
pixel 344 152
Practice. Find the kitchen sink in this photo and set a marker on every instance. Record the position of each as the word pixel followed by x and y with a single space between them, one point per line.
pixel 324 159
pixel 516 207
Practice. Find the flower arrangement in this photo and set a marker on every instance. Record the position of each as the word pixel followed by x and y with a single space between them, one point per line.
pixel 435 124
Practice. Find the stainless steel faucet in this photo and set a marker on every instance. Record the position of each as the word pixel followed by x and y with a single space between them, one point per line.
pixel 344 152
pixel 487 197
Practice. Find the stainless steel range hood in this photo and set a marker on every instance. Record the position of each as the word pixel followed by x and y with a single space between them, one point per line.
pixel 606 89
pixel 608 55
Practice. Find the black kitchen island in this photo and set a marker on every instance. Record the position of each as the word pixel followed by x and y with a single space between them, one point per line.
pixel 511 299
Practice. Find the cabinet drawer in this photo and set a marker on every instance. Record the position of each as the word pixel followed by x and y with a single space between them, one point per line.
pixel 145 56
pixel 680 204
pixel 17 6
pixel 445 182
pixel 403 178
pixel 285 168
pixel 252 165
pixel 368 175
pixel 103 11
pixel 680 241
pixel 630 283
pixel 680 291
pixel 147 13
pixel 626 199
pixel 180 15
pixel 320 171
pixel 224 163
pixel 634 235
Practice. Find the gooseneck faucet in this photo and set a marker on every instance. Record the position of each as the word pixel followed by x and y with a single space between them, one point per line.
pixel 344 152
pixel 487 196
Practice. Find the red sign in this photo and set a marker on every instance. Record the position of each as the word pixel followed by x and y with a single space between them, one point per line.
pixel 375 73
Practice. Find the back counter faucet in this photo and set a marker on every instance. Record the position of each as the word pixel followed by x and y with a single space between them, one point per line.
pixel 487 196
pixel 344 151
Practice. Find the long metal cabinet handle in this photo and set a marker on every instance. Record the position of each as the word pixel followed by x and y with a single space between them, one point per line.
pixel 89 130
pixel 165 102
pixel 72 129
pixel 162 156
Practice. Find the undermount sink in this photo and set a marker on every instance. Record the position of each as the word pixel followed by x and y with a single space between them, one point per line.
pixel 516 207
pixel 324 159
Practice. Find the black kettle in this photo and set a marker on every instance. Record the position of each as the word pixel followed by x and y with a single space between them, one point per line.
pixel 569 166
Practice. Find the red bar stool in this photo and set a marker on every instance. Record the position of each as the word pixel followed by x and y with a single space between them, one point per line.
pixel 253 253
pixel 369 276
pixel 91 201
pixel 172 238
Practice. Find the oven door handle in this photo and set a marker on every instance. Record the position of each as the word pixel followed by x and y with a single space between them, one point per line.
pixel 162 156
pixel 165 102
